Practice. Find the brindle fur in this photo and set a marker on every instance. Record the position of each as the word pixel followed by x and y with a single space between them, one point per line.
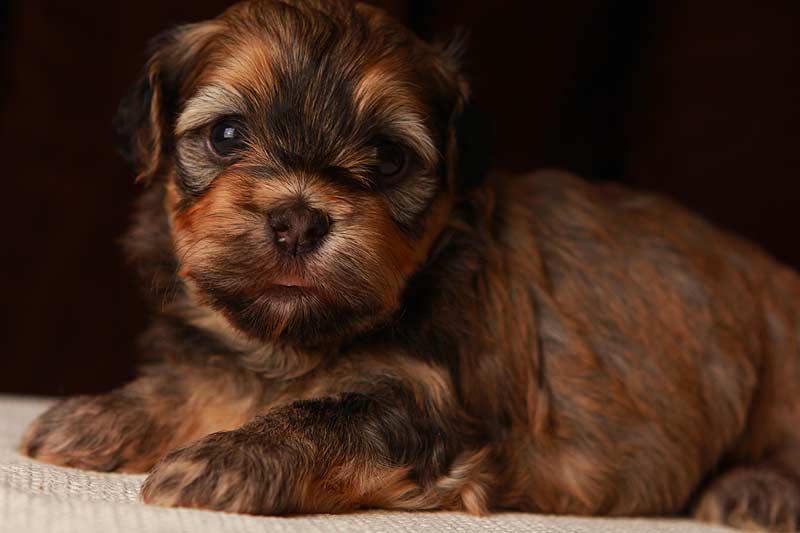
pixel 514 342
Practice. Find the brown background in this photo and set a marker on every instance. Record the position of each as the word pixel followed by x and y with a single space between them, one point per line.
pixel 700 100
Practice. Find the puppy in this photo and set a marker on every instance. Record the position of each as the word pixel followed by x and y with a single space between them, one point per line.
pixel 350 316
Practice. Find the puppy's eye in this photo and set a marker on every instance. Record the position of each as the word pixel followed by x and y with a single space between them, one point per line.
pixel 392 160
pixel 226 138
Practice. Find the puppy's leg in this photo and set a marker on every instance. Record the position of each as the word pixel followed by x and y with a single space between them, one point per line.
pixel 385 449
pixel 131 428
pixel 761 492
pixel 758 498
pixel 764 495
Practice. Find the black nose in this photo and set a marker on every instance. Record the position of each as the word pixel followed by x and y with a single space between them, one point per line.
pixel 298 229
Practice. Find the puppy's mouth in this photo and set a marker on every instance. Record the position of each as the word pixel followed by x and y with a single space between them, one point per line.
pixel 289 286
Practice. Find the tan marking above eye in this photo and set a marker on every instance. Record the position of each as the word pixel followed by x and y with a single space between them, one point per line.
pixel 244 65
pixel 210 103
pixel 384 90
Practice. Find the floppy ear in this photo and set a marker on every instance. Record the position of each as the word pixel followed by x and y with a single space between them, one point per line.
pixel 144 124
pixel 466 137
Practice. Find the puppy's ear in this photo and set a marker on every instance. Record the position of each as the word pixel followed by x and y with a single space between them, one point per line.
pixel 143 126
pixel 466 132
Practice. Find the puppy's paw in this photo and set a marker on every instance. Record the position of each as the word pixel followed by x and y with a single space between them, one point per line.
pixel 223 472
pixel 104 433
pixel 752 499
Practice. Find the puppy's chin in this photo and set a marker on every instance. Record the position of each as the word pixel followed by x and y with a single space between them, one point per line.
pixel 290 312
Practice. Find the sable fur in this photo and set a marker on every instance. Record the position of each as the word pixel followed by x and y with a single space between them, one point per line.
pixel 458 341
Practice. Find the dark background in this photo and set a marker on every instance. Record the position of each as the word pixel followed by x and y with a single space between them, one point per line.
pixel 698 99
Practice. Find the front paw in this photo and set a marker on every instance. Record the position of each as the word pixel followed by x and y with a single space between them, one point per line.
pixel 223 472
pixel 104 433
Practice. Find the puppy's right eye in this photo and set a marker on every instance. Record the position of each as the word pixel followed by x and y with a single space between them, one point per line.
pixel 226 138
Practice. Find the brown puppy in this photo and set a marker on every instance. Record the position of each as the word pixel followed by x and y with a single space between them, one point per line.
pixel 348 317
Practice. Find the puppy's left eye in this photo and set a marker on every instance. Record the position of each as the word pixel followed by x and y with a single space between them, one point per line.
pixel 226 138
pixel 392 160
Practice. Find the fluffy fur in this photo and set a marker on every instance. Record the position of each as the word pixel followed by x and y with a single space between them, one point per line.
pixel 456 340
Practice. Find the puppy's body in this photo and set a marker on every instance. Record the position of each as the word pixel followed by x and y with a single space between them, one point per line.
pixel 442 341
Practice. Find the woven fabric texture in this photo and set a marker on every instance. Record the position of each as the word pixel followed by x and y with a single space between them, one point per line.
pixel 39 498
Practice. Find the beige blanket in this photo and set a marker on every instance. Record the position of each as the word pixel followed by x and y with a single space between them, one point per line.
pixel 37 498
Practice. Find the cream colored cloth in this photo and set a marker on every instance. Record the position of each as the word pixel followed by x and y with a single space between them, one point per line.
pixel 39 498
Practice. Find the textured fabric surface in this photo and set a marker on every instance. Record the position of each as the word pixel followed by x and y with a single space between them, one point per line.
pixel 37 498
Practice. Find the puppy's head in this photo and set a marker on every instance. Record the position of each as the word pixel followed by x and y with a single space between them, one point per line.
pixel 307 149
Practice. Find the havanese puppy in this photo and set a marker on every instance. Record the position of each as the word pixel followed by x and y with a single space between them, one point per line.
pixel 350 315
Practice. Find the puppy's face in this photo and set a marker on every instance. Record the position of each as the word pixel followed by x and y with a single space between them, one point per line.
pixel 306 149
